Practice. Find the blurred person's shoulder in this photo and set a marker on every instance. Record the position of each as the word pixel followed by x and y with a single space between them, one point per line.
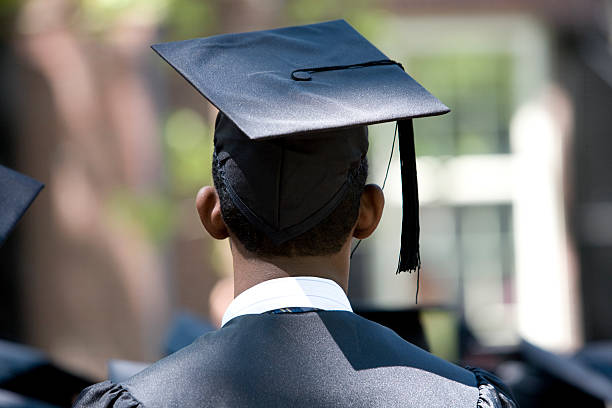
pixel 310 359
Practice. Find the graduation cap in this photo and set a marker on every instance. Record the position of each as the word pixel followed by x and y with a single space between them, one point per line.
pixel 17 192
pixel 406 323
pixel 570 372
pixel 11 400
pixel 28 375
pixel 295 103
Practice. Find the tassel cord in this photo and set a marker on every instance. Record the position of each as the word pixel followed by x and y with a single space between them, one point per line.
pixel 384 183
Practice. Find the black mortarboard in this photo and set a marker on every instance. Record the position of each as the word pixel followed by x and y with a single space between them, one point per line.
pixel 17 192
pixel 305 94
pixel 12 400
pixel 27 373
pixel 539 378
pixel 569 371
pixel 406 323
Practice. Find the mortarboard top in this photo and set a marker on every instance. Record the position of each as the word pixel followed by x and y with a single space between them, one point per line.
pixel 10 399
pixel 570 371
pixel 17 192
pixel 248 76
pixel 406 323
pixel 302 81
pixel 26 372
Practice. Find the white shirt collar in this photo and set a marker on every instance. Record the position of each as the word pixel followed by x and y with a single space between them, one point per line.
pixel 302 291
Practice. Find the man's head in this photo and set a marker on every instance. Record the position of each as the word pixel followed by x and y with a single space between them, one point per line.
pixel 290 197
pixel 325 238
pixel 309 88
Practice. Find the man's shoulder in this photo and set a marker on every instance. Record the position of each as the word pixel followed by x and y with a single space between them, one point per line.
pixel 304 359
pixel 317 358
pixel 371 344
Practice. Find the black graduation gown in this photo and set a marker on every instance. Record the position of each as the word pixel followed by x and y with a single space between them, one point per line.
pixel 314 359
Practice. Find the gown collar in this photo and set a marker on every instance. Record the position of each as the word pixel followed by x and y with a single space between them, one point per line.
pixel 301 291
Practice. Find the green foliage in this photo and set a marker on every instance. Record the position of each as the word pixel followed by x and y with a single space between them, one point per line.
pixel 190 18
pixel 440 327
pixel 151 213
pixel 308 11
pixel 188 145
pixel 98 15
pixel 8 11
pixel 182 18
pixel 367 19
pixel 8 7
pixel 365 15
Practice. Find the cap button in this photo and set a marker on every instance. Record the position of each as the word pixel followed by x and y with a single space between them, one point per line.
pixel 301 76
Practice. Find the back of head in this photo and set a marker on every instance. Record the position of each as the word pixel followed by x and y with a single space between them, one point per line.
pixel 294 196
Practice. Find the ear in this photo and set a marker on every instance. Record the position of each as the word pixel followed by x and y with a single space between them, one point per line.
pixel 209 209
pixel 370 211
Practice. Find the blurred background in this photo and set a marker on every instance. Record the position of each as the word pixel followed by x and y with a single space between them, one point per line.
pixel 516 198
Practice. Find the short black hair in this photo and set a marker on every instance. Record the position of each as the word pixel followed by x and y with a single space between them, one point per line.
pixel 325 238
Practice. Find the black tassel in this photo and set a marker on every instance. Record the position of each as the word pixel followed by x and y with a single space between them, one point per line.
pixel 409 259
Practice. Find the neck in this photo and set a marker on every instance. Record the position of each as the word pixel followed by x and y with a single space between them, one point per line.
pixel 250 270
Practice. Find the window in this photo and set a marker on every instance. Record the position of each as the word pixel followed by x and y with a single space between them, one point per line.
pixel 477 88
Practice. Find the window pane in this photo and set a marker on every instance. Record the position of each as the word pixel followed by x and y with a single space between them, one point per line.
pixel 477 89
